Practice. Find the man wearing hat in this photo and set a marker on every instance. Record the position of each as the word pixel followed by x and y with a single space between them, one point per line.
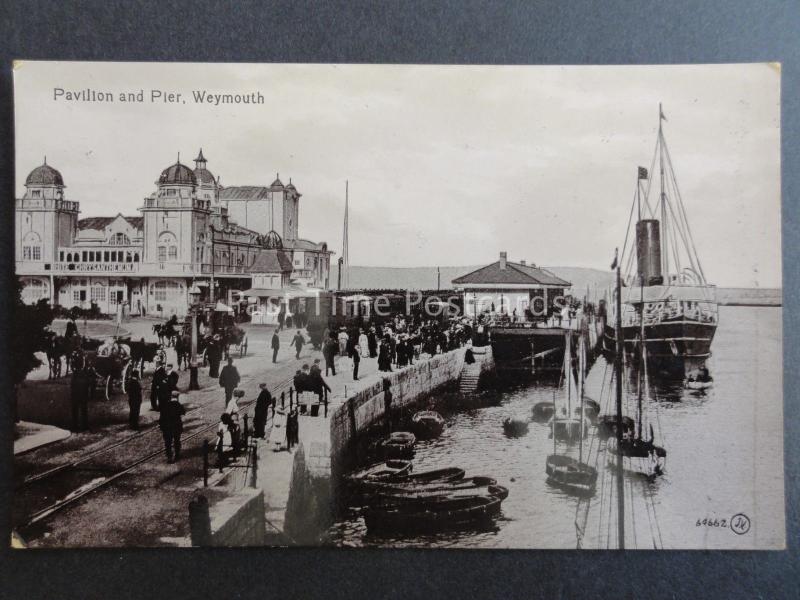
pixel 229 379
pixel 263 402
pixel 134 390
pixel 159 379
pixel 171 424
pixel 168 386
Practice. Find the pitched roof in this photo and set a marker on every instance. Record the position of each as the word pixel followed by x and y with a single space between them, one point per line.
pixel 271 261
pixel 100 223
pixel 301 244
pixel 244 192
pixel 514 273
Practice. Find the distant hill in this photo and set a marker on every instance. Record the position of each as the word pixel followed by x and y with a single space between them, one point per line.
pixel 424 278
pixel 597 281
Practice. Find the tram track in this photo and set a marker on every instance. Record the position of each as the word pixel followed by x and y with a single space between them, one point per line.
pixel 97 483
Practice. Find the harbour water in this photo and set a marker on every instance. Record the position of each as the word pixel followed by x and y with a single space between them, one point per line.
pixel 725 458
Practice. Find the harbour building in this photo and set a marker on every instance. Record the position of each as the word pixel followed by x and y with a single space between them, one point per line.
pixel 190 234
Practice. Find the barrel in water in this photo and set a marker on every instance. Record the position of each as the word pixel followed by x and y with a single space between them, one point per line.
pixel 648 251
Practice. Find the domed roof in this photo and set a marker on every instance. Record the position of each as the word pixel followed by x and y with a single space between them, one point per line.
pixel 44 175
pixel 277 183
pixel 273 240
pixel 204 176
pixel 291 185
pixel 177 174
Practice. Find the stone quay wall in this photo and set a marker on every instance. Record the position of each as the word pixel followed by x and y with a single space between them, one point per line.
pixel 236 519
pixel 366 407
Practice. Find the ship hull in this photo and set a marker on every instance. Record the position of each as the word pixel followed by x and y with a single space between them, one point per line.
pixel 673 347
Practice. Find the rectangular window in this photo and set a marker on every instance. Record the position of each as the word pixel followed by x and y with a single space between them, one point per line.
pixel 160 295
pixel 173 253
pixel 162 254
pixel 26 253
pixel 76 295
pixel 36 193
pixel 37 253
pixel 98 294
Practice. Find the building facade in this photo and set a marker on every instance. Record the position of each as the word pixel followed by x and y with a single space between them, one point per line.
pixel 192 236
pixel 510 288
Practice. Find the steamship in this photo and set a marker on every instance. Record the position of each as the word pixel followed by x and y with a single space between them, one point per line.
pixel 665 298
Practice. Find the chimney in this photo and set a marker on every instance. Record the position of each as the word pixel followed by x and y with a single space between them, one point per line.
pixel 503 258
pixel 522 262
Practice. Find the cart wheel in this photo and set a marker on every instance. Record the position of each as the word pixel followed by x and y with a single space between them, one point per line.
pixel 108 387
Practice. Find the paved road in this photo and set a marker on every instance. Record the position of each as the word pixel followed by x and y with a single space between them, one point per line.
pixel 149 504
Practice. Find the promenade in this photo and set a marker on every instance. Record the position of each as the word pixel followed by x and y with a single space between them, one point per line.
pixel 147 505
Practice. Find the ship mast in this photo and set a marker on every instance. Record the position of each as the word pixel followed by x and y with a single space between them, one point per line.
pixel 618 373
pixel 664 233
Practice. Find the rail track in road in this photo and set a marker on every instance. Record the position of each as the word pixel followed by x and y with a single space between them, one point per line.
pixel 80 468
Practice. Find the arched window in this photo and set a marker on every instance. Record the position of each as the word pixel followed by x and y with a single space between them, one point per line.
pixel 31 246
pixel 98 292
pixel 119 239
pixel 167 247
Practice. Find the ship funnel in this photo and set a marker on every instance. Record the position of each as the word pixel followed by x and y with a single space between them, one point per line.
pixel 648 251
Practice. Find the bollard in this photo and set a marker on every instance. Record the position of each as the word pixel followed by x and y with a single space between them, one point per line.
pixel 206 449
pixel 200 521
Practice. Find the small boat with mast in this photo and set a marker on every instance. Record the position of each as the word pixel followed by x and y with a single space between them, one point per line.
pixel 563 471
pixel 665 295
pixel 628 442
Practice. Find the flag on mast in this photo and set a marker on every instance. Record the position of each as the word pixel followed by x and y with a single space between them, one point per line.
pixel 661 114
pixel 616 259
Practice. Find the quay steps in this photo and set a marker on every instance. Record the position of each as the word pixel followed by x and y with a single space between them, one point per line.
pixel 470 378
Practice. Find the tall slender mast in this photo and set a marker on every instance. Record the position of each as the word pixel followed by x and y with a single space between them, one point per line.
pixel 581 367
pixel 664 233
pixel 641 296
pixel 618 373
pixel 345 265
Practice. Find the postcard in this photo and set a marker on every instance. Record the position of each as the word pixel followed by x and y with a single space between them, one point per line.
pixel 397 306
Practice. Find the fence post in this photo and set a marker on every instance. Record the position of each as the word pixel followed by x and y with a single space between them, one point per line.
pixel 254 467
pixel 205 462
pixel 326 402
pixel 246 430
pixel 220 452
pixel 291 397
pixel 283 399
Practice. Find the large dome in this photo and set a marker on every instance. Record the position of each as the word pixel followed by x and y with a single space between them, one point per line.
pixel 177 174
pixel 44 175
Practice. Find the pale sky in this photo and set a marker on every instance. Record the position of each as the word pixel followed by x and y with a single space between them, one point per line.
pixel 448 165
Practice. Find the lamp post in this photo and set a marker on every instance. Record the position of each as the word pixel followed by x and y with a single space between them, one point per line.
pixel 194 383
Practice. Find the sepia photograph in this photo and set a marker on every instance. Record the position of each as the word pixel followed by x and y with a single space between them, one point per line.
pixel 397 306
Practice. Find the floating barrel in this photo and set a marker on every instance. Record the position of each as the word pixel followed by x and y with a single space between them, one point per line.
pixel 648 251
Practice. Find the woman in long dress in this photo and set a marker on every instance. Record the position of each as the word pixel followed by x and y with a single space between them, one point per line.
pixel 363 344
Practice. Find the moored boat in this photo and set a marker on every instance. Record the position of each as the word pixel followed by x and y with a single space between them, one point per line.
pixel 543 411
pixel 445 513
pixel 570 474
pixel 607 426
pixel 666 299
pixel 399 444
pixel 381 471
pixel 515 426
pixel 427 424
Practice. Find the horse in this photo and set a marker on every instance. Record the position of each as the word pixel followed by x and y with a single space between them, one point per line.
pixel 143 352
pixel 109 369
pixel 183 350
pixel 166 333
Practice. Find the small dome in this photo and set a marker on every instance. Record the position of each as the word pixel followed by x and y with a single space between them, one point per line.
pixel 44 175
pixel 204 176
pixel 177 174
pixel 290 186
pixel 277 183
pixel 273 240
